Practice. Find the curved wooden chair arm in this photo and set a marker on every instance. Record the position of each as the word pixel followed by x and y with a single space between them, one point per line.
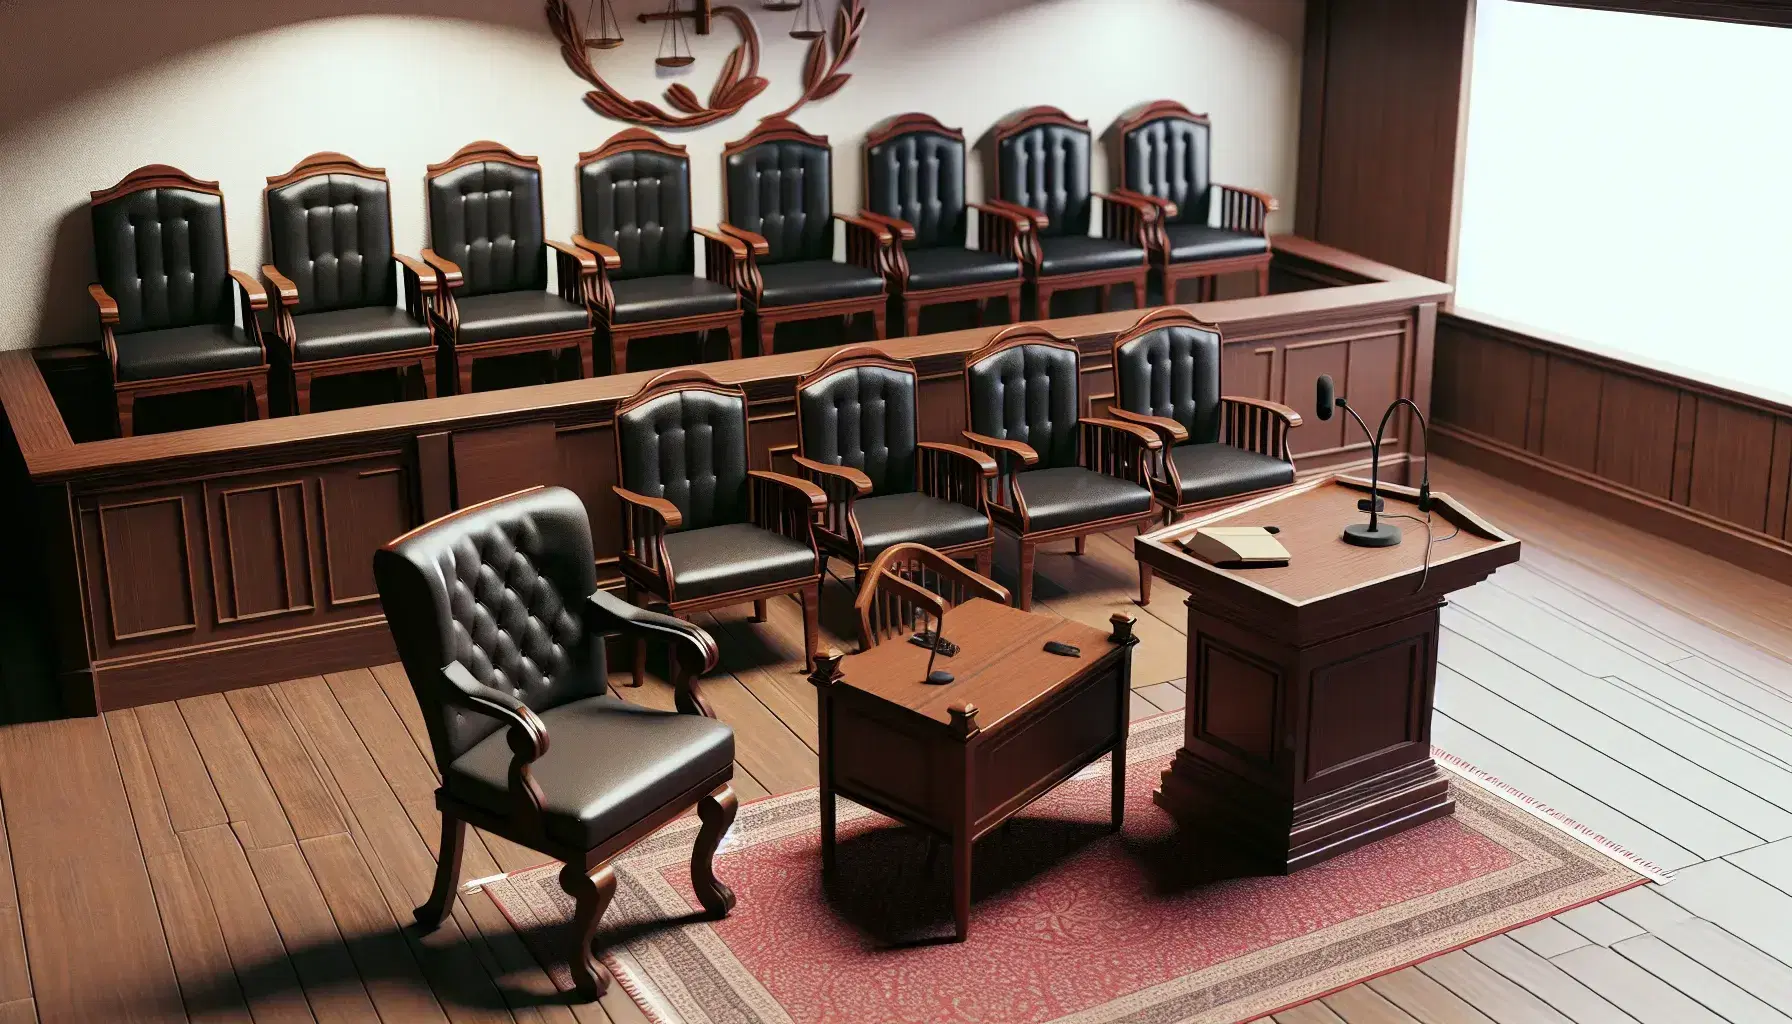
pixel 670 517
pixel 587 259
pixel 895 225
pixel 284 289
pixel 1268 201
pixel 612 259
pixel 985 464
pixel 426 275
pixel 1144 206
pixel 1277 409
pixel 889 597
pixel 1164 206
pixel 1168 429
pixel 735 245
pixel 1038 218
pixel 104 303
pixel 1018 449
pixel 754 241
pixel 1145 435
pixel 803 489
pixel 856 479
pixel 526 733
pixel 256 295
pixel 690 645
pixel 1020 221
pixel 878 228
pixel 451 274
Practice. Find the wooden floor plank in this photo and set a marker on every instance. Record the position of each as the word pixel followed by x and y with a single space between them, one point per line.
pixel 397 684
pixel 371 933
pixel 1730 957
pixel 1599 923
pixel 1141 706
pixel 290 770
pixel 1543 979
pixel 186 785
pixel 766 660
pixel 331 982
pixel 1361 1004
pixel 1489 991
pixel 1771 863
pixel 1698 982
pixel 1548 937
pixel 19 1011
pixel 1734 900
pixel 1523 582
pixel 1770 702
pixel 249 800
pixel 1632 989
pixel 262 965
pixel 408 771
pixel 1646 906
pixel 1308 1013
pixel 1424 999
pixel 1164 695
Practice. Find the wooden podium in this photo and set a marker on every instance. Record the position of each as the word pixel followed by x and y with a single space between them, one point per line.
pixel 1310 685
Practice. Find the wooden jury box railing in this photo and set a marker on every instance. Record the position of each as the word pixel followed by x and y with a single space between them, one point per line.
pixel 204 560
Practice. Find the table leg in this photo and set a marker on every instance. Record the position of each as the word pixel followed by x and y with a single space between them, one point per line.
pixel 827 826
pixel 961 883
pixel 1118 800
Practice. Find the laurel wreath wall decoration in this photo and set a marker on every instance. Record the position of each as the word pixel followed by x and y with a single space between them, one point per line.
pixel 738 83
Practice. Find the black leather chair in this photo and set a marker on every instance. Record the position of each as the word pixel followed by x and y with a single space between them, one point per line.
pixel 914 186
pixel 1063 474
pixel 497 616
pixel 330 231
pixel 779 193
pixel 699 528
pixel 164 290
pixel 856 418
pixel 1041 171
pixel 1217 449
pixel 489 247
pixel 1162 152
pixel 635 216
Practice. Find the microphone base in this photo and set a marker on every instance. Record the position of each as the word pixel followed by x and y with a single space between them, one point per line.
pixel 939 677
pixel 1381 535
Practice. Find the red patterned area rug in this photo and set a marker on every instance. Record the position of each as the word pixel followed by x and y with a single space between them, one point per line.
pixel 1072 923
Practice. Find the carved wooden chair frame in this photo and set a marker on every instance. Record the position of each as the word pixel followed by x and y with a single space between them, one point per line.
pixel 1124 218
pixel 723 258
pixel 251 300
pixel 868 245
pixel 1000 231
pixel 577 277
pixel 891 603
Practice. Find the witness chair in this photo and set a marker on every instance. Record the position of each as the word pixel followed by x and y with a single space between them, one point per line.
pixel 1217 449
pixel 490 249
pixel 635 217
pixel 779 192
pixel 910 587
pixel 1162 152
pixel 914 186
pixel 330 232
pixel 1042 172
pixel 699 529
pixel 164 292
pixel 857 419
pixel 1063 474
pixel 499 622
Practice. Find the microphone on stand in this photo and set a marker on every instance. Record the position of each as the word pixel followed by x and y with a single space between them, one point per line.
pixel 1374 533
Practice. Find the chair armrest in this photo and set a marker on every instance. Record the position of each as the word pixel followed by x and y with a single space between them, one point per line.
pixel 1164 206
pixel 611 258
pixel 1018 449
pixel 1118 449
pixel 1258 425
pixel 1003 231
pixel 451 275
pixel 587 260
pixel 645 521
pixel 878 229
pixel 253 293
pixel 870 244
pixel 1170 431
pixel 785 505
pixel 953 473
pixel 104 303
pixel 284 289
pixel 856 479
pixel 755 242
pixel 1245 209
pixel 1133 200
pixel 984 464
pixel 1130 220
pixel 1145 435
pixel 580 277
pixel 691 648
pixel 1004 491
pixel 841 484
pixel 895 225
pixel 727 261
pixel 419 286
pixel 1038 218
pixel 669 516
pixel 526 733
pixel 1276 409
pixel 734 245
pixel 425 275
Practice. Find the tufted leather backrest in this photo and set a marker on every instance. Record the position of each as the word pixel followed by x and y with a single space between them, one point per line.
pixel 863 417
pixel 1173 372
pixel 1046 167
pixel 919 177
pixel 639 203
pixel 689 447
pixel 486 217
pixel 1169 157
pixel 161 255
pixel 500 588
pixel 784 191
pixel 332 235
pixel 1028 393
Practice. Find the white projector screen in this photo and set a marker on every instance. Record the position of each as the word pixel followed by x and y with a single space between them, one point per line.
pixel 1628 188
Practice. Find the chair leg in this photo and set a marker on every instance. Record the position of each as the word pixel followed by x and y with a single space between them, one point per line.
pixel 463 374
pixel 1082 545
pixel 1145 574
pixel 426 368
pixel 126 406
pixel 1023 595
pixel 911 318
pixel 591 896
pixel 301 391
pixel 441 898
pixel 618 351
pixel 1103 298
pixel 1014 313
pixel 764 335
pixel 1138 291
pixel 717 812
pixel 811 598
pixel 1263 280
pixel 759 610
pixel 587 357
pixel 1042 302
pixel 257 394
pixel 638 654
pixel 979 310
pixel 734 339
pixel 984 558
pixel 879 330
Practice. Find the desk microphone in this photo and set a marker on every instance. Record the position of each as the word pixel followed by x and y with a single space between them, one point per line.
pixel 1374 534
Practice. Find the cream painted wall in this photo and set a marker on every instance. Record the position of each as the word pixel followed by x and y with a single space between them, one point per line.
pixel 98 88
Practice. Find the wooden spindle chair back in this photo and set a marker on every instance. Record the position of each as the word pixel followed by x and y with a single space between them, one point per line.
pixel 910 585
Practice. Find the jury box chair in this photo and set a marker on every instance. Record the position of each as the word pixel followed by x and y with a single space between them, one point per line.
pixel 699 528
pixel 635 217
pixel 499 622
pixel 915 187
pixel 857 421
pixel 1063 473
pixel 330 232
pixel 911 587
pixel 164 293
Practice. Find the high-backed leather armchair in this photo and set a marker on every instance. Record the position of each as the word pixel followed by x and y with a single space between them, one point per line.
pixel 164 292
pixel 330 232
pixel 497 616
pixel 1041 170
pixel 1063 474
pixel 856 420
pixel 635 217
pixel 699 528
pixel 1162 152
pixel 489 246
pixel 779 203
pixel 914 186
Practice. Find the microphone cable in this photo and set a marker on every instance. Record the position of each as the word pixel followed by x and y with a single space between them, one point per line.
pixel 1425 576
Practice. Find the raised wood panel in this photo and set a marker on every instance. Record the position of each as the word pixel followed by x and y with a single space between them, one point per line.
pixel 260 538
pixel 587 456
pixel 770 425
pixel 1365 704
pixel 1779 496
pixel 1376 377
pixel 1732 457
pixel 1637 423
pixel 1249 370
pixel 145 567
pixel 360 508
pixel 497 461
pixel 1235 700
pixel 1571 410
pixel 1461 393
pixel 1302 364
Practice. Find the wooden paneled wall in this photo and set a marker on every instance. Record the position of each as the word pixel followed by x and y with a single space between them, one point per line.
pixel 1706 467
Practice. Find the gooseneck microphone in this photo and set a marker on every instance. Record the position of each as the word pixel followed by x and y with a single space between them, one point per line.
pixel 1374 533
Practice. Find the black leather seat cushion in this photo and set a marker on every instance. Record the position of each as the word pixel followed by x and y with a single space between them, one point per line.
pixel 1211 471
pixel 948 267
pixel 1200 242
pixel 178 351
pixel 1071 494
pixel 790 284
pixel 356 332
pixel 668 297
pixel 609 764
pixel 736 556
pixel 1076 254
pixel 914 517
pixel 523 314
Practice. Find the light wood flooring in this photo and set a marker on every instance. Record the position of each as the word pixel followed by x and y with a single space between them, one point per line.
pixel 254 855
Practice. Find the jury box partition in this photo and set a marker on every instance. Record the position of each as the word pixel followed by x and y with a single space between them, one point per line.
pixel 204 560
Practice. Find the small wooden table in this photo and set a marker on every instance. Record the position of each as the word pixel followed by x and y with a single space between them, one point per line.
pixel 1308 731
pixel 957 760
